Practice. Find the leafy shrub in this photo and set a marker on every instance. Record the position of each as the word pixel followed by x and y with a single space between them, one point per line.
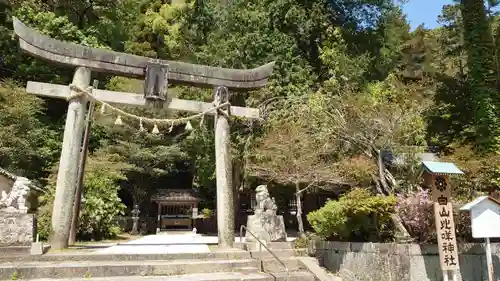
pixel 300 243
pixel 44 221
pixel 101 206
pixel 356 216
pixel 303 242
pixel 207 213
pixel 417 214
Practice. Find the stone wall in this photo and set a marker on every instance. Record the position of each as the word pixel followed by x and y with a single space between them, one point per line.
pixel 400 262
pixel 16 229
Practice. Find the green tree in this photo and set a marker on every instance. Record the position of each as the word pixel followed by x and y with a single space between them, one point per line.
pixel 159 30
pixel 27 146
pixel 101 202
pixel 450 120
pixel 22 67
pixel 288 154
pixel 482 74
pixel 200 148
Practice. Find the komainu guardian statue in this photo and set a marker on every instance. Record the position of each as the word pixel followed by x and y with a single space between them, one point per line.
pixel 17 227
pixel 265 223
pixel 15 200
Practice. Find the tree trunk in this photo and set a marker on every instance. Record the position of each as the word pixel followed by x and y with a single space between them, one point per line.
pixel 300 223
pixel 398 223
pixel 381 175
pixel 384 187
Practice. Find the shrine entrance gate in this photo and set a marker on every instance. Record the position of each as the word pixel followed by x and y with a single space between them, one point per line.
pixel 158 74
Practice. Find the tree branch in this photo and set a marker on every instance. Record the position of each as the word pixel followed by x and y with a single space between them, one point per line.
pixel 306 188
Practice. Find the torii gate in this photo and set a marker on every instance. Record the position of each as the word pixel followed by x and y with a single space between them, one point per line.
pixel 158 74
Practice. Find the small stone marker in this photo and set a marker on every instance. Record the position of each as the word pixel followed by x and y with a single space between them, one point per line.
pixel 36 247
pixel 485 217
pixel 436 177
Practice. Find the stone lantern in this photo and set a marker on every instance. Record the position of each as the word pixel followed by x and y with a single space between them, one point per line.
pixel 135 220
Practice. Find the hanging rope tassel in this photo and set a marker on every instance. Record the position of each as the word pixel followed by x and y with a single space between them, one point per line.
pixel 155 130
pixel 188 127
pixel 87 92
pixel 119 121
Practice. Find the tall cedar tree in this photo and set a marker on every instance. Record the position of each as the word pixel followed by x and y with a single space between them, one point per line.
pixel 482 74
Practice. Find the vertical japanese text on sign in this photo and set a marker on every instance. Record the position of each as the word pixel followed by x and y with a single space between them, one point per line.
pixel 445 226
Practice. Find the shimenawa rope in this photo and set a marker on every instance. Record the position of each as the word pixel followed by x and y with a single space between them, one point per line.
pixel 78 92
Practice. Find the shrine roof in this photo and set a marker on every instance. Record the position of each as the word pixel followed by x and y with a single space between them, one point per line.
pixel 182 195
pixel 472 204
pixel 440 168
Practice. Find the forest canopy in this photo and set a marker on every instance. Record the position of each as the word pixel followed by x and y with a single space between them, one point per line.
pixel 355 98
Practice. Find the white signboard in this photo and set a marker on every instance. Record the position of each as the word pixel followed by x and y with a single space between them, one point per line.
pixel 486 220
pixel 485 216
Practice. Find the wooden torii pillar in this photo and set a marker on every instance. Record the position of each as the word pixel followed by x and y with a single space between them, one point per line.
pixel 158 75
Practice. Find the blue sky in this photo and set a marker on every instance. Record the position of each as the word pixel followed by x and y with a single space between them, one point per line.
pixel 424 11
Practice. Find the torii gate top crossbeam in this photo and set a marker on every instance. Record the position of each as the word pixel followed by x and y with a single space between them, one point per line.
pixel 101 60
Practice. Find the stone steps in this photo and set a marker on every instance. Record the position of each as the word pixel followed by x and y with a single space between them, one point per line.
pixel 275 246
pixel 14 250
pixel 85 269
pixel 92 256
pixel 222 276
pixel 280 245
pixel 219 265
pixel 283 253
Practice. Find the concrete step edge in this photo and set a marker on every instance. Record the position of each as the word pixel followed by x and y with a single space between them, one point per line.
pixel 94 270
pixel 238 254
pixel 71 269
pixel 55 264
pixel 281 253
pixel 26 263
pixel 220 276
pixel 138 257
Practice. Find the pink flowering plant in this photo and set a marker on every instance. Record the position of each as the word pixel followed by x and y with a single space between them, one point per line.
pixel 416 211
